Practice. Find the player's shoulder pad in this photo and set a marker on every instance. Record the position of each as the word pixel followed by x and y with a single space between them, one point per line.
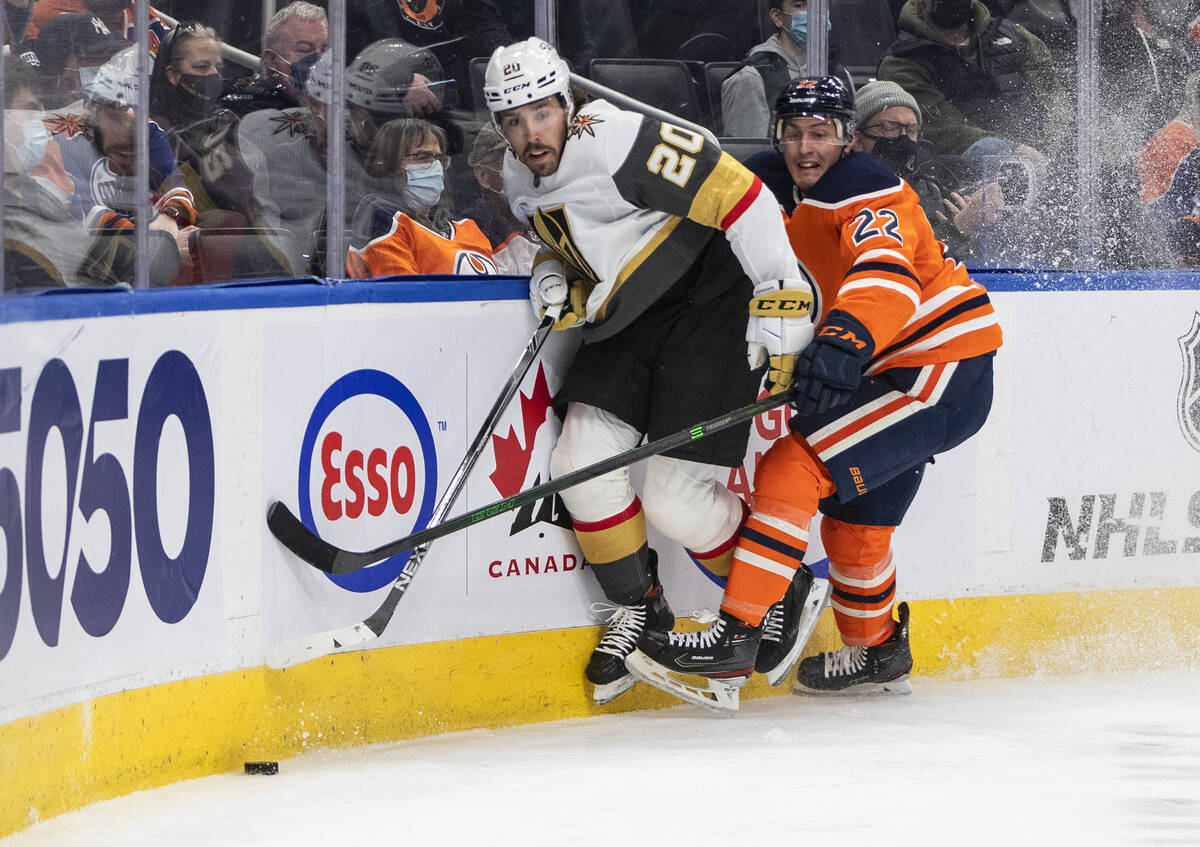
pixel 852 178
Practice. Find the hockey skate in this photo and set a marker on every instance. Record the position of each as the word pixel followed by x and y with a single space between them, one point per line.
pixel 706 668
pixel 606 668
pixel 880 669
pixel 789 623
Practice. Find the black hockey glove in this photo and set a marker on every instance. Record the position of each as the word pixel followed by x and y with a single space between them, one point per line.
pixel 829 369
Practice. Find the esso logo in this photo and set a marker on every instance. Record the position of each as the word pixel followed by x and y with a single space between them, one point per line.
pixel 368 470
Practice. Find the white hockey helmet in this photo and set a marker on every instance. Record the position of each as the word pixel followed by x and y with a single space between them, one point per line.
pixel 526 72
pixel 116 82
pixel 380 76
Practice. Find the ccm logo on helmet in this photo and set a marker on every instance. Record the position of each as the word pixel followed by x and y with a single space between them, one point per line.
pixel 513 88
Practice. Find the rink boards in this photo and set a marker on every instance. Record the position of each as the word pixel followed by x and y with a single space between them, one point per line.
pixel 142 436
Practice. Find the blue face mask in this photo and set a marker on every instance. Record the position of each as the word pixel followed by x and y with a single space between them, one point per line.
pixel 425 185
pixel 800 26
pixel 24 157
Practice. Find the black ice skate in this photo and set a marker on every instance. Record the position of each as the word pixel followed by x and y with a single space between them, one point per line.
pixel 606 668
pixel 881 669
pixel 789 623
pixel 719 660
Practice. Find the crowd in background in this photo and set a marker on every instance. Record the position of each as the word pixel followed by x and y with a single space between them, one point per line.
pixel 972 101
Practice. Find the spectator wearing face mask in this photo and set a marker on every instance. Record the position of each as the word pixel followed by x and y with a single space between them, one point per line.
pixel 296 37
pixel 45 244
pixel 409 230
pixel 513 244
pixel 185 92
pixel 888 126
pixel 767 69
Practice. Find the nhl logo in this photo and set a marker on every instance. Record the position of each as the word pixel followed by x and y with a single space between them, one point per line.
pixel 1188 408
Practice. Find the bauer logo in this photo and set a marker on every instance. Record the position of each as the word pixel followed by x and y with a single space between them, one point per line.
pixel 368 470
pixel 1188 407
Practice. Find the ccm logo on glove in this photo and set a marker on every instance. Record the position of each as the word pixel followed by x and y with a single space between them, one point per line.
pixel 840 333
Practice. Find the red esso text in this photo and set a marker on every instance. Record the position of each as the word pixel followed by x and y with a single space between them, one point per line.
pixel 373 480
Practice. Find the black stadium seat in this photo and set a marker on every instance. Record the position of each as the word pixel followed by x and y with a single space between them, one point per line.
pixel 715 74
pixel 666 84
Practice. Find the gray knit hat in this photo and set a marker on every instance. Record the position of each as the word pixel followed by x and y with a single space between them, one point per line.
pixel 878 95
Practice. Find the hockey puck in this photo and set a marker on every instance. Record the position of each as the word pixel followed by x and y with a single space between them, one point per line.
pixel 268 768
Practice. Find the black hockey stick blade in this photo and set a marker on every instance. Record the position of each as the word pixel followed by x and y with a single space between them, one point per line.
pixel 321 554
pixel 312 548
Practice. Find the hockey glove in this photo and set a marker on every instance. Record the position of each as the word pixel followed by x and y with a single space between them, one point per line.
pixel 830 369
pixel 548 287
pixel 781 325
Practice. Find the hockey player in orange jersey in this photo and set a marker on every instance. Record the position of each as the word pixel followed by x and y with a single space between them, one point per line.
pixel 899 369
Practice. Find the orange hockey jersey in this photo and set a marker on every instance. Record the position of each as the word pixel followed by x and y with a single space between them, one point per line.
pixel 862 235
pixel 393 244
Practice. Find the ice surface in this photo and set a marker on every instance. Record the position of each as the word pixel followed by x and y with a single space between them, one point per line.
pixel 1091 760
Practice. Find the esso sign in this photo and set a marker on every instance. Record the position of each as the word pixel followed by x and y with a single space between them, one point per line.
pixel 392 480
pixel 368 470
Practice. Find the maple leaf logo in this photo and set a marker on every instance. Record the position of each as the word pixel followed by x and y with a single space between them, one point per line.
pixel 512 459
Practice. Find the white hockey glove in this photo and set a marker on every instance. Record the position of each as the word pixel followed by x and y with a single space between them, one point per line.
pixel 548 287
pixel 782 316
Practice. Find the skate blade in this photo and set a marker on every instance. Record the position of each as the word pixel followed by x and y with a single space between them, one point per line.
pixel 900 685
pixel 610 691
pixel 717 695
pixel 814 604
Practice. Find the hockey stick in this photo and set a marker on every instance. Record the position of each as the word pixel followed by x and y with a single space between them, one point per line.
pixel 314 646
pixel 322 555
pixel 304 543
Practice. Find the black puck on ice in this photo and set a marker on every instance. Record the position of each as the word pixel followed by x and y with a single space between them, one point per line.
pixel 268 768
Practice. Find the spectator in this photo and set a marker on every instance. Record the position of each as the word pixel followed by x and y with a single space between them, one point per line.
pixel 98 153
pixel 296 36
pixel 888 124
pixel 45 244
pixel 977 77
pixel 1169 171
pixel 115 15
pixel 68 49
pixel 1053 21
pixel 185 88
pixel 513 242
pixel 285 150
pixel 409 229
pixel 747 93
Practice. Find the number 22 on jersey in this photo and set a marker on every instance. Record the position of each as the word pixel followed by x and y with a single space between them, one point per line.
pixel 871 223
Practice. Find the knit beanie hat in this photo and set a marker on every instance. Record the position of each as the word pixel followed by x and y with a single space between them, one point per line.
pixel 878 95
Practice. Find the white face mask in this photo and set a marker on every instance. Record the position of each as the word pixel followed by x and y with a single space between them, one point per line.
pixel 21 157
pixel 424 185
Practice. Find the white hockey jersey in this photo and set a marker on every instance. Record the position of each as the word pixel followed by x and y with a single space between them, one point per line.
pixel 633 204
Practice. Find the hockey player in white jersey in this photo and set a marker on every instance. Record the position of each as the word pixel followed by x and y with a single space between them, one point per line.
pixel 673 257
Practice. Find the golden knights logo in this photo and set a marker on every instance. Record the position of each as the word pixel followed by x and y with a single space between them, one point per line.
pixel 581 124
pixel 1188 408
pixel 553 228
